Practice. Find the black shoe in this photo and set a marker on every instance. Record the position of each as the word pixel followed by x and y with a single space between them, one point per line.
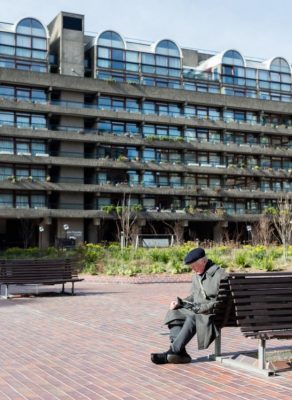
pixel 171 357
pixel 179 358
pixel 159 358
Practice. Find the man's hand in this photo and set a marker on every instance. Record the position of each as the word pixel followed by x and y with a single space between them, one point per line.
pixel 173 305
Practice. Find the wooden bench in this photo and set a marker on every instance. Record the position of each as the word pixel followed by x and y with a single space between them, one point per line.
pixel 38 271
pixel 260 304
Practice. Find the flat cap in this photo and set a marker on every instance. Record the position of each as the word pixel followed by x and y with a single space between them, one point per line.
pixel 194 255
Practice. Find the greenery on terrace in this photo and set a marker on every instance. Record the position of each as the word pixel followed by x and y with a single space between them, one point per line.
pixel 111 260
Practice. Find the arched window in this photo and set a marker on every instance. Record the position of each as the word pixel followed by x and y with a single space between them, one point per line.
pixel 279 64
pixel 111 39
pixel 31 39
pixel 32 27
pixel 233 57
pixel 167 48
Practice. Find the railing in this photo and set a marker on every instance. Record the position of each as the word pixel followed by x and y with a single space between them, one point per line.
pixel 220 212
pixel 188 186
pixel 137 109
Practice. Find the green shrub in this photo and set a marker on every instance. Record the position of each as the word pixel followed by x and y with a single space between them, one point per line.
pixel 241 259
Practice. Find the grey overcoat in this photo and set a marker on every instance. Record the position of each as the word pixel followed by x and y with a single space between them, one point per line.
pixel 204 293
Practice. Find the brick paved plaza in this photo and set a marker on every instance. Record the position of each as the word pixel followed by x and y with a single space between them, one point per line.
pixel 96 345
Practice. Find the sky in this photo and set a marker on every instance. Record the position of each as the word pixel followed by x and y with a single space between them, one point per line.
pixel 260 29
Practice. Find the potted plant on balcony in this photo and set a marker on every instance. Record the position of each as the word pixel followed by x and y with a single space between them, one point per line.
pixel 12 178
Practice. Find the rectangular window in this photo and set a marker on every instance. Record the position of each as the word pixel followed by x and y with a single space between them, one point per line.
pixel 149 155
pixel 175 180
pixel 23 94
pixel 6 146
pixel 103 64
pixel 190 111
pixel 162 109
pixel 38 121
pixel 8 50
pixel 162 131
pixel 6 200
pixel 23 53
pixel 132 56
pixel 149 107
pixel 7 38
pixel 105 126
pixel 23 41
pixel 132 67
pixel 22 148
pixel 148 59
pixel 132 128
pixel 38 174
pixel 6 118
pixel 40 44
pixel 118 104
pixel 117 55
pixel 72 23
pixel 104 103
pixel 22 173
pixel 7 92
pixel 38 96
pixel 214 114
pixel 202 112
pixel 22 201
pixel 5 173
pixel 148 69
pixel 38 148
pixel 132 105
pixel 174 132
pixel 174 63
pixel 38 201
pixel 149 202
pixel 118 128
pixel 42 55
pixel 104 53
pixel 149 179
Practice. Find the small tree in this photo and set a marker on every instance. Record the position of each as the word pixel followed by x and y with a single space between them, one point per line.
pixel 281 216
pixel 176 229
pixel 27 230
pixel 126 218
pixel 262 231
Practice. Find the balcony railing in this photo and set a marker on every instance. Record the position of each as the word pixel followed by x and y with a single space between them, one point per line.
pixel 144 111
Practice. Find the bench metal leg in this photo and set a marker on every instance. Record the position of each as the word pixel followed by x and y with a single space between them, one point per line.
pixel 5 292
pixel 218 345
pixel 72 288
pixel 63 288
pixel 262 354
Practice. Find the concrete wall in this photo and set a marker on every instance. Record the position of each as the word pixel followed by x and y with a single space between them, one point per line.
pixel 71 45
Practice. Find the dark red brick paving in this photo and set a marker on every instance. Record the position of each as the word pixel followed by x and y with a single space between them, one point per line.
pixel 96 345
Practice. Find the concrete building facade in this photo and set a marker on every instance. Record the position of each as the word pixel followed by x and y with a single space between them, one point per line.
pixel 195 144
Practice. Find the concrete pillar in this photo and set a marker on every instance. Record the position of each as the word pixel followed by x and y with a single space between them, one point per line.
pixel 218 231
pixel 44 236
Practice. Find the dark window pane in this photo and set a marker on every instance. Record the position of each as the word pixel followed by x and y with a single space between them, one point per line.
pixel 75 24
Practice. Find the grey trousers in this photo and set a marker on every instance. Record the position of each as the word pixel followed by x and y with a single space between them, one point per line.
pixel 181 332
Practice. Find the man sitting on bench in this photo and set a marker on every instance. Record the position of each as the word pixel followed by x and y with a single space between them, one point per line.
pixel 193 314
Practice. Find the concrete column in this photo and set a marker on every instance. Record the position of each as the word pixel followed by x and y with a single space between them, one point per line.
pixel 44 237
pixel 218 232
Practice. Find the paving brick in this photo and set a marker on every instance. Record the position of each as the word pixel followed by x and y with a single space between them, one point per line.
pixel 96 345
